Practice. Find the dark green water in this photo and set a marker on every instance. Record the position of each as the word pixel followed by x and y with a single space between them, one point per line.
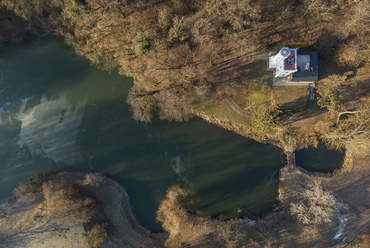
pixel 58 112
pixel 319 159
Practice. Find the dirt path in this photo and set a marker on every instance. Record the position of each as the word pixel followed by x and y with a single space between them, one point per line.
pixel 233 107
pixel 352 233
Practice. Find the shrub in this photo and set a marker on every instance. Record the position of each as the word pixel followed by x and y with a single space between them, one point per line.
pixel 165 18
pixel 331 92
pixel 203 31
pixel 65 203
pixel 79 3
pixel 146 45
pixel 33 184
pixel 179 31
pixel 172 210
pixel 97 234
pixel 265 120
pixel 317 206
pixel 95 179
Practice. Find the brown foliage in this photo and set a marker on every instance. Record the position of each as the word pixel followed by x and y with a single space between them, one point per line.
pixel 171 211
pixel 97 234
pixel 352 134
pixel 142 104
pixel 356 20
pixel 355 52
pixel 165 18
pixel 95 179
pixel 174 106
pixel 187 230
pixel 331 92
pixel 182 227
pixel 65 203
pixel 112 33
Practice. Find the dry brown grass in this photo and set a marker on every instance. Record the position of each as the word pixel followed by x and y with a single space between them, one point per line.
pixel 97 234
pixel 362 241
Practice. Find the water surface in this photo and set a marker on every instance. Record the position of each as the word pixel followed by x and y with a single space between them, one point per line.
pixel 319 159
pixel 59 112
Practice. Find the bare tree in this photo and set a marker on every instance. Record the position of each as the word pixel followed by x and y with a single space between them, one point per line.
pixel 179 31
pixel 142 103
pixel 318 10
pixel 316 206
pixel 330 92
pixel 64 203
pixel 352 134
pixel 356 21
pixel 174 106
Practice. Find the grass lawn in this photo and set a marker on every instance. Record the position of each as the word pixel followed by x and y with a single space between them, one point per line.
pixel 258 87
pixel 291 97
pixel 215 107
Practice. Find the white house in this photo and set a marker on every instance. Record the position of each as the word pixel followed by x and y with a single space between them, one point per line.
pixel 293 68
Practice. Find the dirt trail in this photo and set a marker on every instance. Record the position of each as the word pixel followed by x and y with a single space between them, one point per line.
pixel 233 107
pixel 353 232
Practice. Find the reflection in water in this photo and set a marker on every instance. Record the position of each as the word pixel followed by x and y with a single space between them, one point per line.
pixel 181 168
pixel 23 106
pixel 1 114
pixel 50 129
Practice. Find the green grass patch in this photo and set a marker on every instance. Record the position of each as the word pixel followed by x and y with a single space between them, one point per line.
pixel 214 106
pixel 291 97
pixel 146 45
pixel 79 3
pixel 258 87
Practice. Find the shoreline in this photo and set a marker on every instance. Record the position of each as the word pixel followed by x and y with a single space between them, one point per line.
pixel 120 188
pixel 290 183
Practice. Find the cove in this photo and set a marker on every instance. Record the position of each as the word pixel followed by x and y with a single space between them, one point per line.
pixel 319 159
pixel 58 112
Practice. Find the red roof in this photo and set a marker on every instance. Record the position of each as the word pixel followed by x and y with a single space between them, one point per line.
pixel 291 66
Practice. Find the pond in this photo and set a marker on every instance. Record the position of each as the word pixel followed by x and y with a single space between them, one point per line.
pixel 319 159
pixel 58 112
